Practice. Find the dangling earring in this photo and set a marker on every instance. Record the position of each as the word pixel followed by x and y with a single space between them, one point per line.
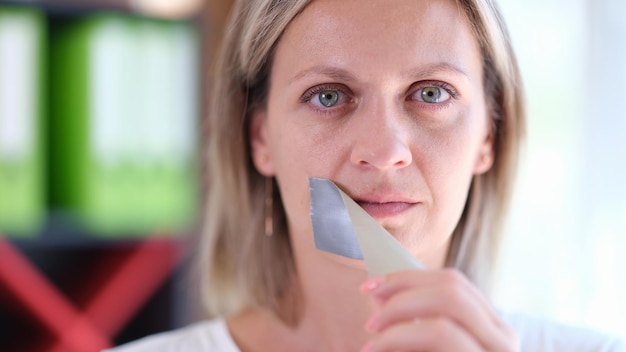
pixel 269 207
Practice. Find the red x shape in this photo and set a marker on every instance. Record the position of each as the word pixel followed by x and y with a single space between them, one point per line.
pixel 121 291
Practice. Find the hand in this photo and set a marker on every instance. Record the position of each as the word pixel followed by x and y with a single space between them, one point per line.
pixel 433 311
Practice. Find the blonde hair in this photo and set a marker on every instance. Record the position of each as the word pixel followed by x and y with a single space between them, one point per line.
pixel 242 267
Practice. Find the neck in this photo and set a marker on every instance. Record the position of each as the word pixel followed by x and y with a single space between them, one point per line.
pixel 325 310
pixel 331 311
pixel 322 314
pixel 334 311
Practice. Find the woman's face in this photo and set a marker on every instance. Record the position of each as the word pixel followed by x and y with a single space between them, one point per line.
pixel 385 100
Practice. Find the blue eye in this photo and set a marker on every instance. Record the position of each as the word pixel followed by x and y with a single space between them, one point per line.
pixel 436 93
pixel 328 98
pixel 433 95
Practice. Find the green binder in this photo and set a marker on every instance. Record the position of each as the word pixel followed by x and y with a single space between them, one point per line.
pixel 124 109
pixel 22 200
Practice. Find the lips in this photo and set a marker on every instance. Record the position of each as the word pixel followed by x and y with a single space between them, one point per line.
pixel 385 209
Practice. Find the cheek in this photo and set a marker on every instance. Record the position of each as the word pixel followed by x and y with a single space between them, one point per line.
pixel 309 149
pixel 448 167
pixel 453 154
pixel 300 151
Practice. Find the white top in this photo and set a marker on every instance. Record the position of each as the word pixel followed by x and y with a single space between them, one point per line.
pixel 205 336
pixel 536 335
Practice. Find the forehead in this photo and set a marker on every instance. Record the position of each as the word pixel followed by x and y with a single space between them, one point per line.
pixel 380 34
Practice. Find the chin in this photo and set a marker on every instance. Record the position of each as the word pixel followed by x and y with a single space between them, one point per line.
pixel 344 262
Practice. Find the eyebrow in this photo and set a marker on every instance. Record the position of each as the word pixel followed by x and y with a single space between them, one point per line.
pixel 340 74
pixel 432 69
pixel 336 73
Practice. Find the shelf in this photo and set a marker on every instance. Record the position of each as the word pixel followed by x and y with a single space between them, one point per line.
pixel 62 230
pixel 66 288
pixel 160 9
pixel 96 295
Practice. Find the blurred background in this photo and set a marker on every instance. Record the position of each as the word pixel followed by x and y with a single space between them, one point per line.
pixel 564 254
pixel 100 113
pixel 100 148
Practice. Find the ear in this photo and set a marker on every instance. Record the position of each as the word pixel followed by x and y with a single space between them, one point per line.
pixel 485 156
pixel 259 143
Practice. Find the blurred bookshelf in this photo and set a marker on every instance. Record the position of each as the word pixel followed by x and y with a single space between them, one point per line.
pixel 165 9
pixel 100 105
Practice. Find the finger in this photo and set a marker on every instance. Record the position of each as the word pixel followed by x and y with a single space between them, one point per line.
pixel 449 302
pixel 382 288
pixel 436 334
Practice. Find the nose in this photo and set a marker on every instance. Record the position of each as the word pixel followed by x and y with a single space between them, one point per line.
pixel 381 140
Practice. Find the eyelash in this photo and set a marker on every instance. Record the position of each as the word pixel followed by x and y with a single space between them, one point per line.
pixel 312 92
pixel 454 95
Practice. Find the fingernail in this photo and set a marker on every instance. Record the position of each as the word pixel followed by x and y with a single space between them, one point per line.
pixel 371 284
pixel 372 323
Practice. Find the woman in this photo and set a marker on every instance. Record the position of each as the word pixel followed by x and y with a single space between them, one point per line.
pixel 414 108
